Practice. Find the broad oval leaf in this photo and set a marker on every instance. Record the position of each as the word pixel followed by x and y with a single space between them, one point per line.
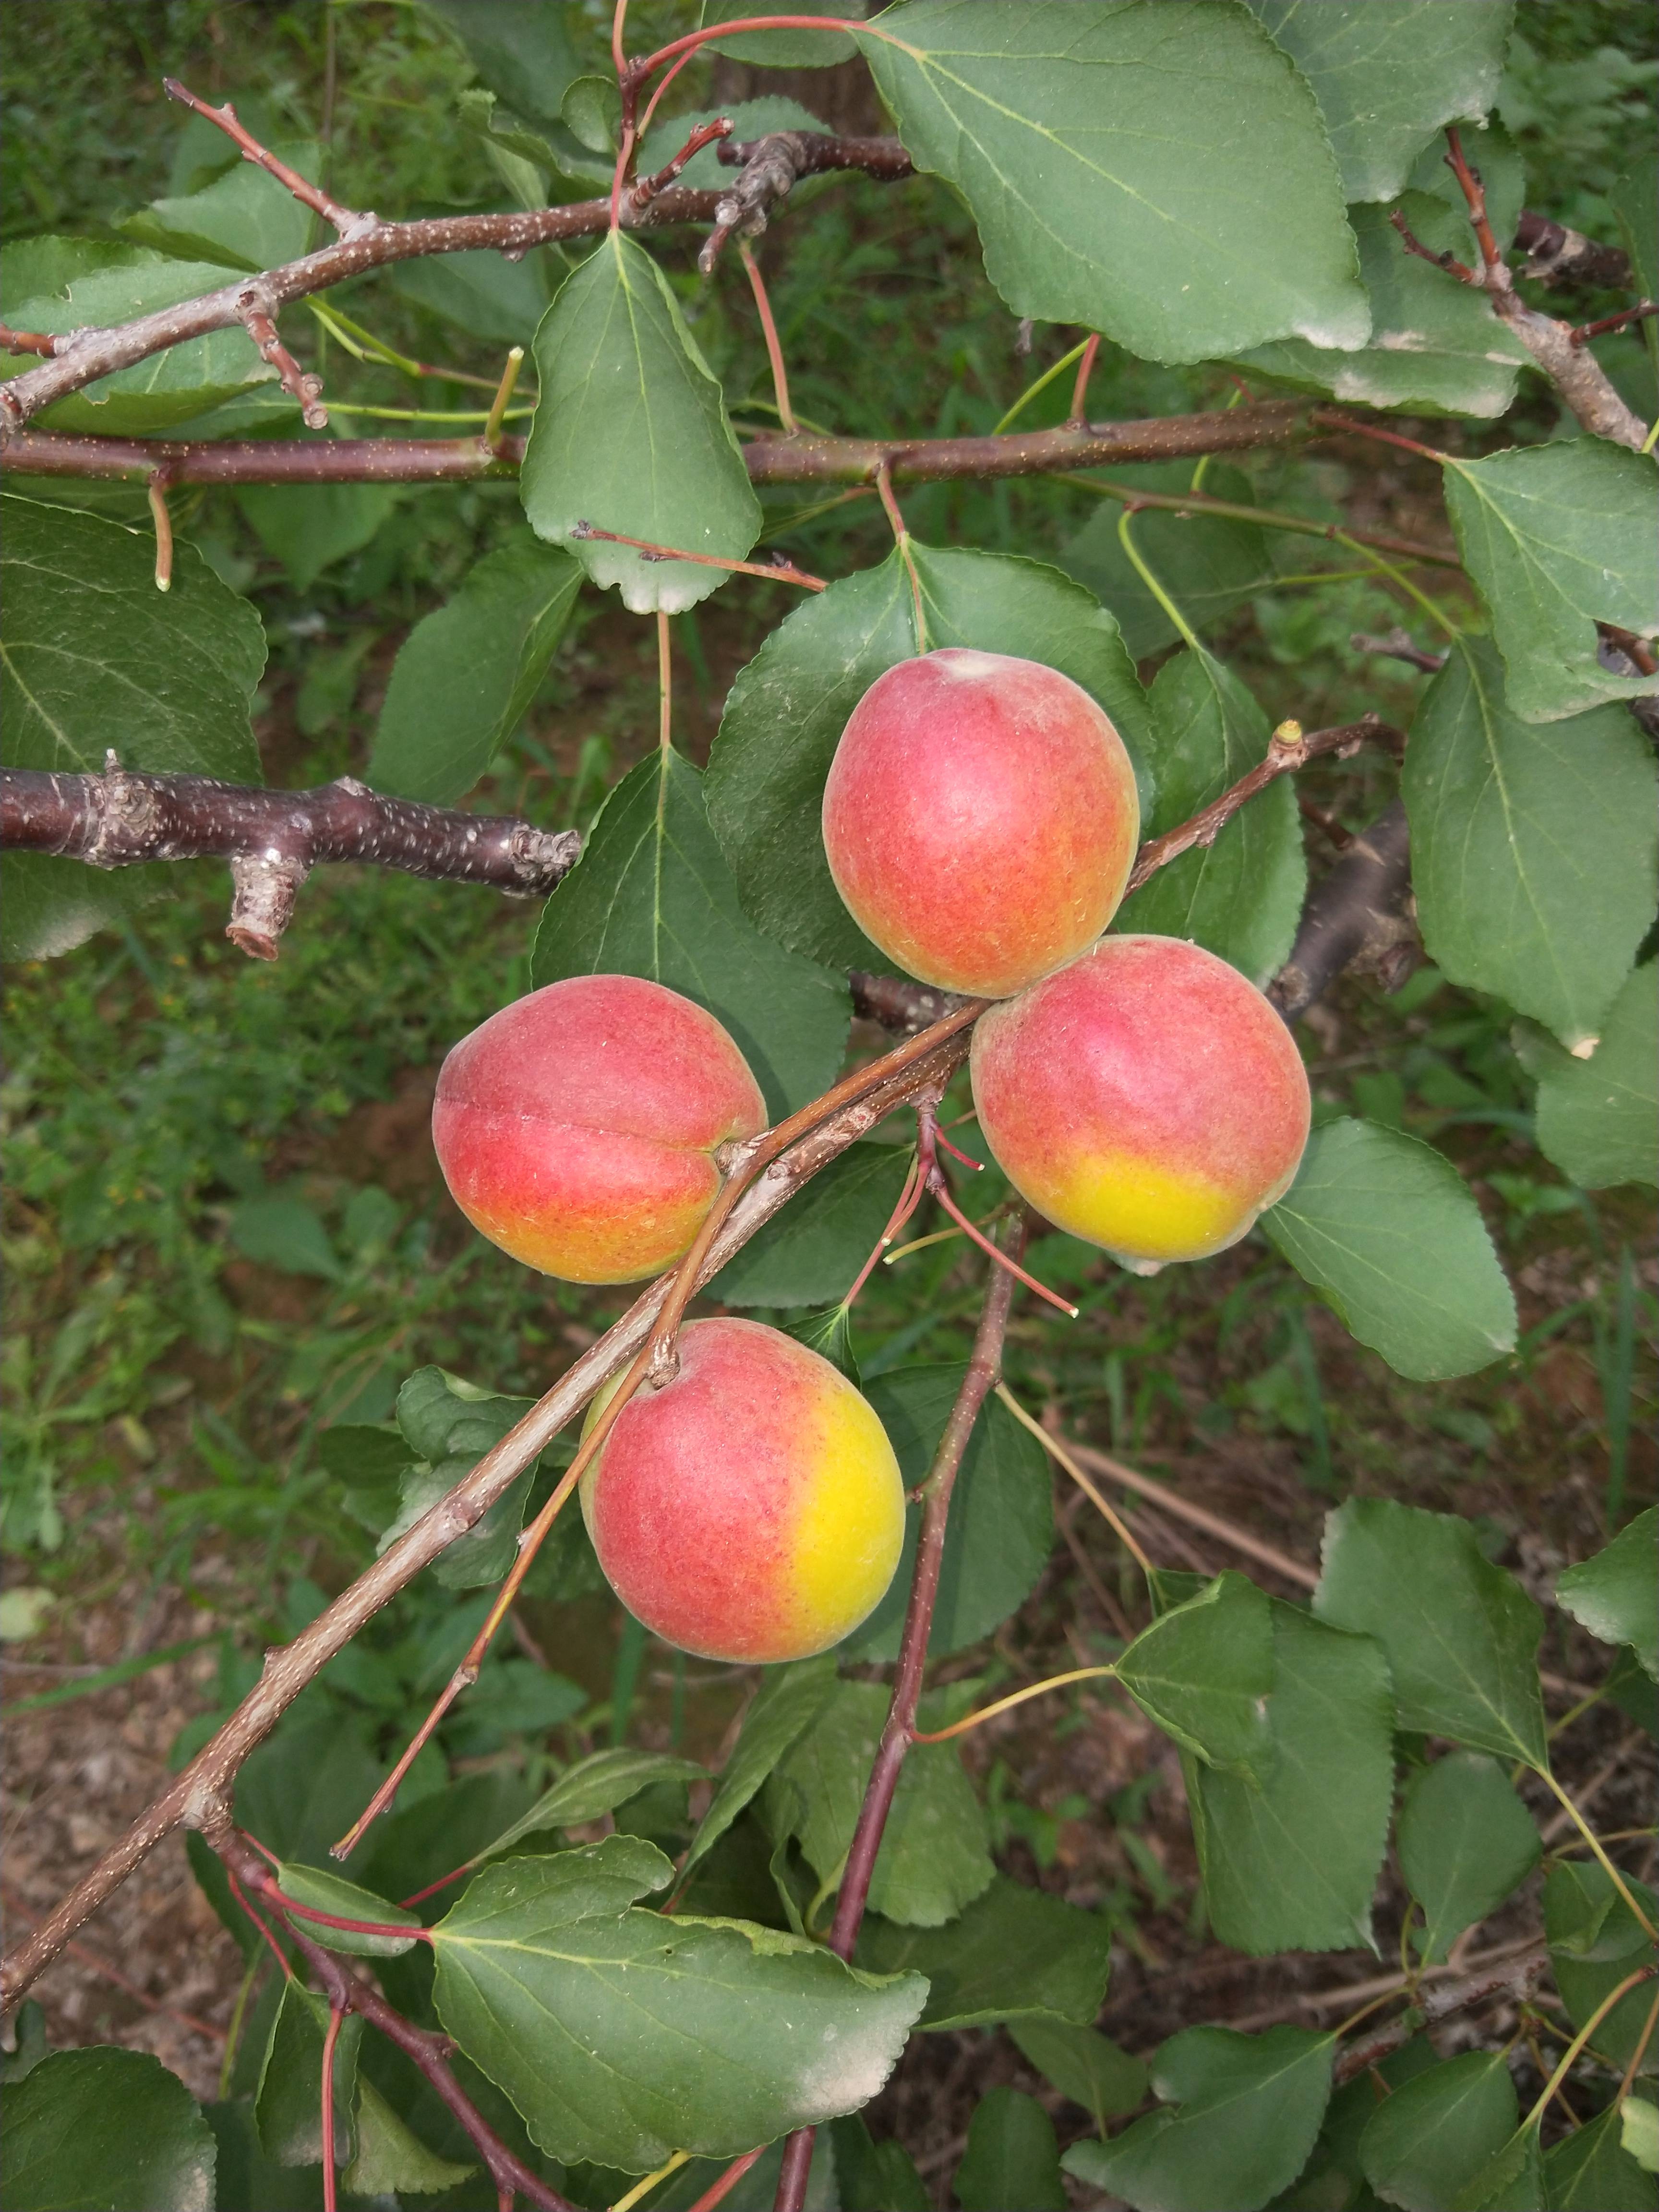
pixel 1592 2172
pixel 1241 896
pixel 1011 2158
pixel 652 895
pixel 1461 1635
pixel 1436 345
pixel 622 2036
pixel 631 435
pixel 783 49
pixel 96 658
pixel 464 675
pixel 1210 564
pixel 809 1253
pixel 1246 2111
pixel 1613 1594
pixel 1388 74
pixel 1001 1527
pixel 288 2102
pixel 245 219
pixel 594 1786
pixel 1598 1119
pixel 1436 2131
pixel 1465 1841
pixel 934 1857
pixel 785 712
pixel 1204 1672
pixel 1560 536
pixel 1291 1856
pixel 787 1701
pixel 390 2157
pixel 86 2129
pixel 1385 1229
pixel 1015 1953
pixel 1158 173
pixel 1082 2064
pixel 1533 848
pixel 1596 1942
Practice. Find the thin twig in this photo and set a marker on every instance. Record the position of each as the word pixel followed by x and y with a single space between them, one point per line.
pixel 1198 1517
pixel 257 316
pixel 782 572
pixel 430 2051
pixel 1582 333
pixel 769 331
pixel 347 220
pixel 1397 644
pixel 984 1366
pixel 1063 1458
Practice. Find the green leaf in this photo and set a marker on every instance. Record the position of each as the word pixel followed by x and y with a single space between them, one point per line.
pixel 1639 2132
pixel 1461 1635
pixel 594 1786
pixel 1613 1594
pixel 783 49
pixel 308 527
pixel 325 1892
pixel 104 2130
pixel 244 219
pixel 29 2044
pixel 1386 1229
pixel 1533 850
pixel 652 895
pixel 1465 1842
pixel 465 675
pixel 1012 2157
pixel 451 1424
pixel 809 1253
pixel 1388 76
pixel 1210 564
pixel 788 1701
pixel 1001 1527
pixel 631 435
pixel 874 2176
pixel 288 2104
pixel 1203 1672
pixel 286 1234
pixel 416 1843
pixel 96 658
pixel 1560 537
pixel 244 2175
pixel 1159 174
pixel 1635 199
pixel 1015 1953
pixel 1084 2065
pixel 522 48
pixel 1437 2131
pixel 1241 896
pixel 1332 2177
pixel 785 712
pixel 391 2156
pixel 1511 2180
pixel 934 1857
pixel 87 288
pixel 1598 1119
pixel 1291 1858
pixel 1595 1941
pixel 1592 2172
pixel 483 294
pixel 1436 345
pixel 308 1781
pixel 695 2035
pixel 1248 2108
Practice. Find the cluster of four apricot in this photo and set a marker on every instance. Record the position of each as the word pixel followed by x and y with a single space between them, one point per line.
pixel 980 820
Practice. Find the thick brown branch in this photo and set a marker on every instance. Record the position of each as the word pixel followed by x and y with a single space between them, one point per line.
pixel 773 166
pixel 197 1796
pixel 1516 1979
pixel 804 458
pixel 1556 255
pixel 1359 916
pixel 1289 749
pixel 429 2049
pixel 273 838
pixel 984 1366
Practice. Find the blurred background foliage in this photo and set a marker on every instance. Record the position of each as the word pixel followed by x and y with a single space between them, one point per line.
pixel 224 1228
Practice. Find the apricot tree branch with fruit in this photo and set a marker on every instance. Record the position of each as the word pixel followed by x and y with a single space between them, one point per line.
pixel 943 796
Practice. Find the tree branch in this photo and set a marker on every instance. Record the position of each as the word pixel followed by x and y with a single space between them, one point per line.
pixel 803 457
pixel 197 1796
pixel 428 2049
pixel 1359 916
pixel 272 839
pixel 1556 255
pixel 773 166
pixel 984 1365
pixel 1517 1978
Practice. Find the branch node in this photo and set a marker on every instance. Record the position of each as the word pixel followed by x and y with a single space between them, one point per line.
pixel 266 886
pixel 258 312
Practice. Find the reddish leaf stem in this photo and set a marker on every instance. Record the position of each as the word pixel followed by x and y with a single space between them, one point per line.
pixel 331 2036
pixel 1085 368
pixel 780 572
pixel 769 330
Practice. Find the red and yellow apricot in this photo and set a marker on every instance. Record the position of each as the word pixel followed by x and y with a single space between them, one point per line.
pixel 1147 1098
pixel 578 1128
pixel 750 1509
pixel 980 818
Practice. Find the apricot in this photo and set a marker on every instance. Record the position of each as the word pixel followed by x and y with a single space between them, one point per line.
pixel 980 818
pixel 1147 1098
pixel 751 1509
pixel 578 1128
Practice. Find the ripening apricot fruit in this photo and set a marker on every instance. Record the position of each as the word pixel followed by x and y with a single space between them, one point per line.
pixel 578 1127
pixel 980 818
pixel 751 1509
pixel 1147 1098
